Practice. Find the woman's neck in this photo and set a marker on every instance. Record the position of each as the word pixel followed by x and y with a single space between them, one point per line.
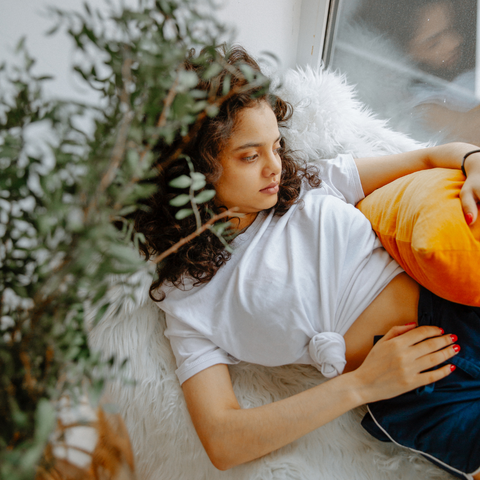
pixel 242 223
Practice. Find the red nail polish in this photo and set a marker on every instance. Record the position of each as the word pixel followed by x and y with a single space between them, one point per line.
pixel 454 338
pixel 457 348
pixel 411 323
pixel 452 368
pixel 442 331
pixel 469 218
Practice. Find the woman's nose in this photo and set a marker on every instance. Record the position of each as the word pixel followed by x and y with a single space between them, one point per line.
pixel 452 42
pixel 273 165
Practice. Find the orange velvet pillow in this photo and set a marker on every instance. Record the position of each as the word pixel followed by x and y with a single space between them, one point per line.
pixel 419 220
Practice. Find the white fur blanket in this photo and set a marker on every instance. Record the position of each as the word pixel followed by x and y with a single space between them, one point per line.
pixel 327 120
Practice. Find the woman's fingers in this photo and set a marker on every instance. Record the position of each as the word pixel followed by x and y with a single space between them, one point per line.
pixel 416 334
pixel 433 376
pixel 396 331
pixel 470 196
pixel 431 360
pixel 430 345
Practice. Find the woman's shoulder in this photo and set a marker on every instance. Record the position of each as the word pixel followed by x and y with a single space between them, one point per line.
pixel 339 177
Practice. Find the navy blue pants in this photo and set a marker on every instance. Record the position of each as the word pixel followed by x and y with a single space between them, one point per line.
pixel 441 420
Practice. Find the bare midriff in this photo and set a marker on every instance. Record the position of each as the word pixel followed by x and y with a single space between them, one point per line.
pixel 396 305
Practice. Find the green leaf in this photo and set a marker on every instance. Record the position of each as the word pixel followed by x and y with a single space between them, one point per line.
pixel 199 106
pixel 248 72
pixel 212 110
pixel 181 182
pixel 226 84
pixel 219 228
pixel 19 417
pixel 204 196
pixel 100 293
pixel 198 180
pixel 31 457
pixel 212 70
pixel 44 420
pixel 132 158
pixel 183 213
pixel 101 313
pixel 127 210
pixel 20 45
pixel 180 200
pixel 53 30
pixel 188 79
pixel 95 391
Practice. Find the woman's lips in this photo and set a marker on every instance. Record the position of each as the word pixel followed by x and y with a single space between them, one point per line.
pixel 271 189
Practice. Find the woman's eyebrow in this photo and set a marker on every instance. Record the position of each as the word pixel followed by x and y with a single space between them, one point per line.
pixel 252 144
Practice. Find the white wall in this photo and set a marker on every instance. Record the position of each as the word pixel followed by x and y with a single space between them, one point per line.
pixel 291 29
pixel 54 54
pixel 261 25
pixel 266 25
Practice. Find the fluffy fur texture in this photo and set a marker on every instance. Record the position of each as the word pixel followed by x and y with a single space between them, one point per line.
pixel 328 120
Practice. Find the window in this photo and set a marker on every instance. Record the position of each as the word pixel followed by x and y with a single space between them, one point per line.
pixel 414 62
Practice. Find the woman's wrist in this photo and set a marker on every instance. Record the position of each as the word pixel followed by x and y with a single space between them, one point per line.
pixel 451 155
pixel 359 390
pixel 471 153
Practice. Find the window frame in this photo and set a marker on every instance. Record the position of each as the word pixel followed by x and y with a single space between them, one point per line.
pixel 315 17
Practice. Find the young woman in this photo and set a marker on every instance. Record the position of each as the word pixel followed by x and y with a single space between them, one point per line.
pixel 307 282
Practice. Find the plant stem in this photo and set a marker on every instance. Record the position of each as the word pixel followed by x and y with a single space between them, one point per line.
pixel 118 150
pixel 198 231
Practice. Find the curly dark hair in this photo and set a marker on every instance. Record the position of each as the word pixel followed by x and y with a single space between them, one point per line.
pixel 200 258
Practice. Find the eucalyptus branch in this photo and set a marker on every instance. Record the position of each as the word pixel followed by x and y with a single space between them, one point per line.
pixel 57 277
pixel 167 103
pixel 228 213
pixel 191 194
pixel 223 241
pixel 45 350
pixel 29 380
pixel 118 151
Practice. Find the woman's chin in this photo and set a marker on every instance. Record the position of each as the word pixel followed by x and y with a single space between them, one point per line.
pixel 271 202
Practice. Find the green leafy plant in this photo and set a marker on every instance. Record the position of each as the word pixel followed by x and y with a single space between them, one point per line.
pixel 66 193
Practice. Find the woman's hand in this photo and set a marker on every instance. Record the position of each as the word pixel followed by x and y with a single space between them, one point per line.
pixel 451 156
pixel 232 435
pixel 470 193
pixel 375 172
pixel 402 361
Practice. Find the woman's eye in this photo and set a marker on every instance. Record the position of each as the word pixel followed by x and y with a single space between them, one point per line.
pixel 433 45
pixel 250 159
pixel 276 151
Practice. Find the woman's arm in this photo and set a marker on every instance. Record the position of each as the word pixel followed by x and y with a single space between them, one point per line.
pixel 232 435
pixel 375 172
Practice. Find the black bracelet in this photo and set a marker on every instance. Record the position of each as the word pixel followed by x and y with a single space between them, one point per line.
pixel 464 158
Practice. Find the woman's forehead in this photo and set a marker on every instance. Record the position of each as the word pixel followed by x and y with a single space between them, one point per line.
pixel 256 124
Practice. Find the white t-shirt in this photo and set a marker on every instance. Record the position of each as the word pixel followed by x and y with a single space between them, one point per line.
pixel 292 288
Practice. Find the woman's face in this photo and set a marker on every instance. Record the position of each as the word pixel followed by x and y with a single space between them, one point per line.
pixel 435 42
pixel 251 164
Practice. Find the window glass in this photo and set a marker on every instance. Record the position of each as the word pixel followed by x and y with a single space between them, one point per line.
pixel 413 62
